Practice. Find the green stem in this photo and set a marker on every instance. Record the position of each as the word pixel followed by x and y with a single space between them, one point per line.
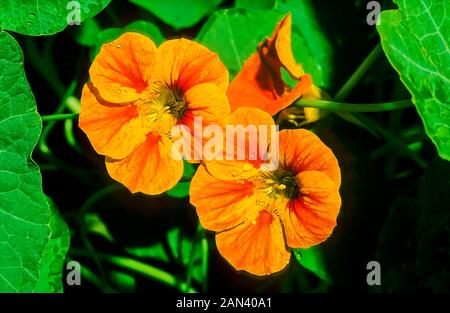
pixel 59 117
pixel 389 136
pixel 70 137
pixel 358 74
pixel 354 107
pixel 60 109
pixel 138 267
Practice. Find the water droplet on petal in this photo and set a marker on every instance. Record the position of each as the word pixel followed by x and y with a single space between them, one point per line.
pixel 118 46
pixel 111 44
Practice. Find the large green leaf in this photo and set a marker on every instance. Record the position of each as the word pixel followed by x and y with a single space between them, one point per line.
pixel 313 40
pixel 33 238
pixel 416 40
pixel 179 13
pixel 254 5
pixel 45 17
pixel 235 33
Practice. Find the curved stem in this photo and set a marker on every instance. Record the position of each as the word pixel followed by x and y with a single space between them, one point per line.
pixel 354 107
pixel 359 73
pixel 59 117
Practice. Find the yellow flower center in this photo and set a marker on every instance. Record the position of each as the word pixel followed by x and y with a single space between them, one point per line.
pixel 164 101
pixel 278 185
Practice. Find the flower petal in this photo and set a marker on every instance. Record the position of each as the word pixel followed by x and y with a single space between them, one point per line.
pixel 260 84
pixel 257 246
pixel 123 68
pixel 256 86
pixel 301 150
pixel 113 130
pixel 206 105
pixel 150 168
pixel 310 219
pixel 283 47
pixel 220 204
pixel 240 163
pixel 185 63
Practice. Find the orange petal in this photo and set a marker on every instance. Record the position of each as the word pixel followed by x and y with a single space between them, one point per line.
pixel 113 130
pixel 206 105
pixel 220 204
pixel 250 116
pixel 310 219
pixel 186 63
pixel 255 86
pixel 232 170
pixel 283 47
pixel 150 168
pixel 123 68
pixel 260 83
pixel 256 125
pixel 301 150
pixel 256 246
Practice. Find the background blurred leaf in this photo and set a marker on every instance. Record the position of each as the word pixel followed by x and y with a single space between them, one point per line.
pixel 44 17
pixel 33 238
pixel 95 225
pixel 181 190
pixel 254 5
pixel 142 27
pixel 124 281
pixel 416 40
pixel 313 40
pixel 434 196
pixel 414 244
pixel 177 247
pixel 235 33
pixel 312 260
pixel 87 33
pixel 179 13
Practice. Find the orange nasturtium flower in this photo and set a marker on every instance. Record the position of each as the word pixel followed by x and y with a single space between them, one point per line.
pixel 260 215
pixel 260 83
pixel 138 93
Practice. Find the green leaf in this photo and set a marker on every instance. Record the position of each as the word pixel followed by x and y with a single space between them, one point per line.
pixel 180 190
pixel 88 33
pixel 319 59
pixel 235 33
pixel 126 282
pixel 142 27
pixel 254 5
pixel 33 238
pixel 416 40
pixel 313 260
pixel 179 13
pixel 46 17
pixel 181 248
pixel 95 225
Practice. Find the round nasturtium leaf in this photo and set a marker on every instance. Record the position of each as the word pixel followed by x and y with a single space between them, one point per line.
pixel 46 17
pixel 33 237
pixel 416 40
